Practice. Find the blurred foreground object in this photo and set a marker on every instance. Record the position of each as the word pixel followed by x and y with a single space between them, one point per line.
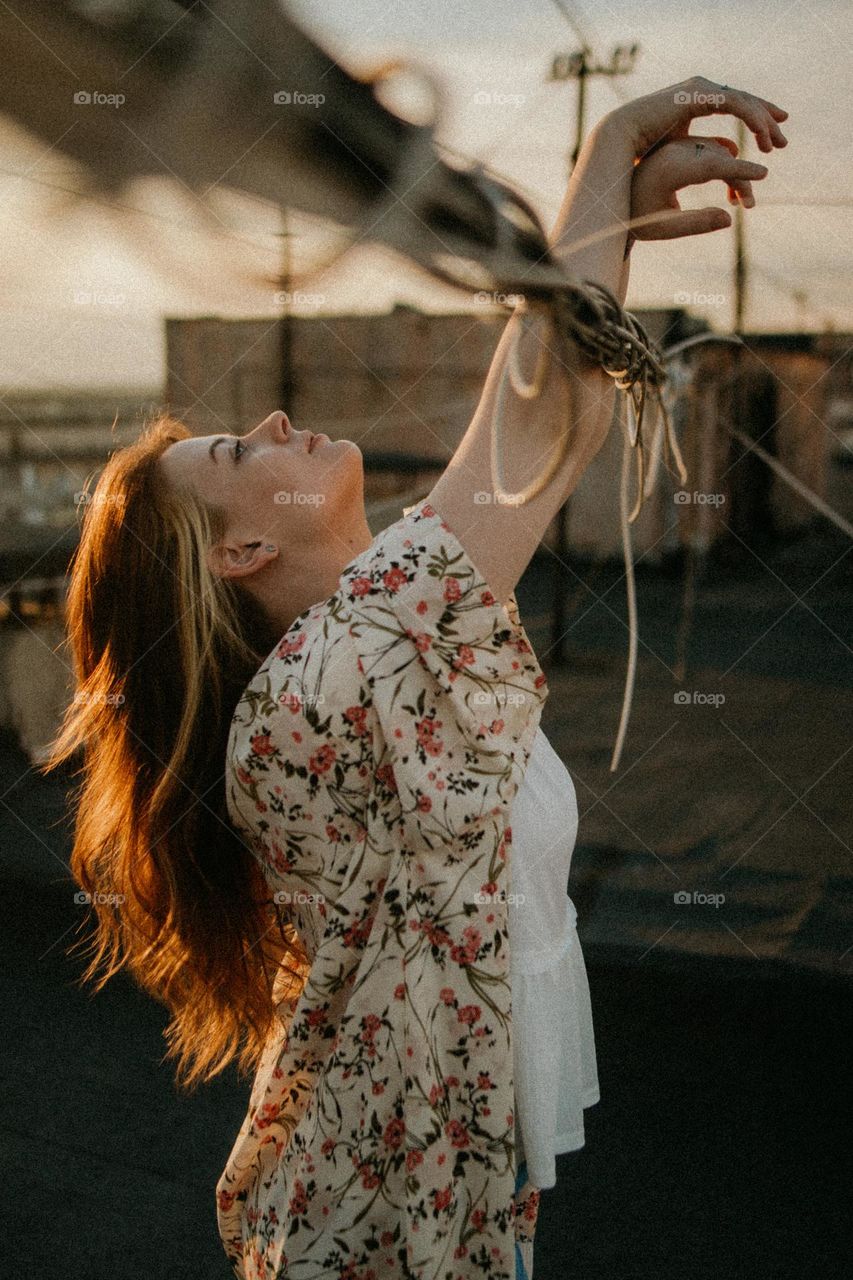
pixel 233 94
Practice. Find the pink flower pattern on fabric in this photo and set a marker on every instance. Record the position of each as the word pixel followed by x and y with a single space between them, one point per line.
pixel 371 769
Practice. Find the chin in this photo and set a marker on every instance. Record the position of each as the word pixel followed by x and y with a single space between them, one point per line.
pixel 353 447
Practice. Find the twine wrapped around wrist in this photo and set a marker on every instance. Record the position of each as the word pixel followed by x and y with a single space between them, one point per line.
pixel 591 317
pixel 510 255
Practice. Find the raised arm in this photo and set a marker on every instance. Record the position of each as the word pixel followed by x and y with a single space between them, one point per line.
pixel 501 539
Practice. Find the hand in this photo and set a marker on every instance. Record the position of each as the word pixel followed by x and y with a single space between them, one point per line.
pixel 684 162
pixel 660 117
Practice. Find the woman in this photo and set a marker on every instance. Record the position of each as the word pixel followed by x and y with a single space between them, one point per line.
pixel 302 747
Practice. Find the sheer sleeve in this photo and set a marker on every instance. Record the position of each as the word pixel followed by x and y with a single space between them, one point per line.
pixel 457 688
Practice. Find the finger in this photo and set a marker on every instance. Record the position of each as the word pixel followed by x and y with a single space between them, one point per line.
pixel 732 148
pixel 745 106
pixel 715 163
pixel 689 222
pixel 779 113
pixel 743 193
pixel 768 126
pixel 738 176
pixel 702 163
pixel 728 143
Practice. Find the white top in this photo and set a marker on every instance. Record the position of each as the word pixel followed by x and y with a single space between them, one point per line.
pixel 554 1046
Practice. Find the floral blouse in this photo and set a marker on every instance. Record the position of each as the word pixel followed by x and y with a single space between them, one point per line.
pixel 372 764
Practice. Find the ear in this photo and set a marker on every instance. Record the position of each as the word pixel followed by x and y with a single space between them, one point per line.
pixel 239 560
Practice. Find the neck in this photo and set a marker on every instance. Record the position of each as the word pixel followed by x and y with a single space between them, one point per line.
pixel 291 588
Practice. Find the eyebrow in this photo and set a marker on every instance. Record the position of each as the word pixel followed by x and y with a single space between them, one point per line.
pixel 213 444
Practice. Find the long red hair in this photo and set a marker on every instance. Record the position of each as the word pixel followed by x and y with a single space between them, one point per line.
pixel 162 650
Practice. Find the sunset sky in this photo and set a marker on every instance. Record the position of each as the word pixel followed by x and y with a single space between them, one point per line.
pixel 85 291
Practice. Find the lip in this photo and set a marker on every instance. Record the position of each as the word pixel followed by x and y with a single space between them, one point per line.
pixel 315 438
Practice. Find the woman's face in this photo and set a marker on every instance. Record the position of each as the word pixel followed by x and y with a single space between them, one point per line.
pixel 270 485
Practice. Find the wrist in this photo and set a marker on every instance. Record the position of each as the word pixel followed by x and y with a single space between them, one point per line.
pixel 599 189
pixel 613 132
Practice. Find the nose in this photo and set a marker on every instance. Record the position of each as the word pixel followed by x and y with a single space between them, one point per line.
pixel 279 425
pixel 276 426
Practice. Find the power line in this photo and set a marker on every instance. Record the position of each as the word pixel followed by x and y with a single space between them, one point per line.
pixel 575 26
pixel 570 18
pixel 89 198
pixel 579 66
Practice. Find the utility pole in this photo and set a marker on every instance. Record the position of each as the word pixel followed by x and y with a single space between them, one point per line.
pixel 286 387
pixel 578 66
pixel 801 302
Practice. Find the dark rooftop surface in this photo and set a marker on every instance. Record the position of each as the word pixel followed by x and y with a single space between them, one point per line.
pixel 722 1031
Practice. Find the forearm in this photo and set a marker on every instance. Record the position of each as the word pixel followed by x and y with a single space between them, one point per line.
pixel 597 199
pixel 589 239
pixel 598 195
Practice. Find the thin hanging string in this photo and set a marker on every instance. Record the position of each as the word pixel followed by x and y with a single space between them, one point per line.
pixel 581 314
pixel 631 589
pixel 574 315
pixel 633 379
pixel 629 343
pixel 622 349
pixel 525 391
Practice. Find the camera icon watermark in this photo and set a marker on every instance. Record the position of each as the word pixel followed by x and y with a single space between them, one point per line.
pixel 683 497
pixel 684 899
pixel 99 699
pixel 684 698
pixel 494 98
pixel 295 298
pixel 288 98
pixel 293 497
pixel 513 698
pixel 84 499
pixel 85 98
pixel 685 299
pixel 494 298
pixel 484 497
pixel 98 298
pixel 295 700
pixel 682 98
pixel 500 895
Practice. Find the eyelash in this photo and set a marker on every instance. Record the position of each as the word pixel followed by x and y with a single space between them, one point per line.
pixel 239 450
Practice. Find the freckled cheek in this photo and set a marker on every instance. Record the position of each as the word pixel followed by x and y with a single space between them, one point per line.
pixel 232 494
pixel 273 490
